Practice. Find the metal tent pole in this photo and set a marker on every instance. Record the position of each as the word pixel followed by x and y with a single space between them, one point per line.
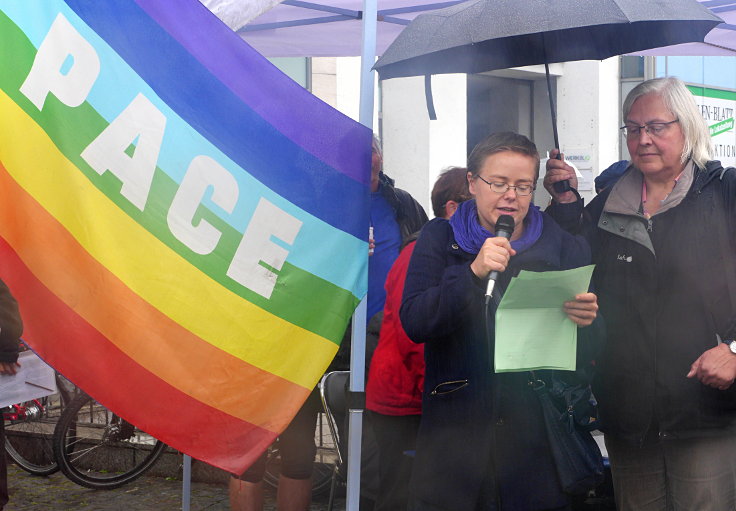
pixel 186 492
pixel 357 353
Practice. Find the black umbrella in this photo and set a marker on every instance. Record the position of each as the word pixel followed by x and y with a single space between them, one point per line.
pixel 483 35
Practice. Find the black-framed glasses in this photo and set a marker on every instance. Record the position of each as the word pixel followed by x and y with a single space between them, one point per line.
pixel 654 129
pixel 499 187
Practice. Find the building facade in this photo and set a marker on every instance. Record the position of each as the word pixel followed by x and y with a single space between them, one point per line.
pixel 588 97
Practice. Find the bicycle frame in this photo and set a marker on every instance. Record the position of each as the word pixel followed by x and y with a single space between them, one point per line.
pixel 20 411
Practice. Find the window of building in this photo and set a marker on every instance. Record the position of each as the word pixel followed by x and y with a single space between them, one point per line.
pixel 296 68
pixel 718 72
pixel 632 67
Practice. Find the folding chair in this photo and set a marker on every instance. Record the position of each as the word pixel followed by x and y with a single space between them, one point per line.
pixel 333 391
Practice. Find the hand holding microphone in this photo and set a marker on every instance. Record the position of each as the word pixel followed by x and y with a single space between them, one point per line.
pixel 495 253
pixel 504 229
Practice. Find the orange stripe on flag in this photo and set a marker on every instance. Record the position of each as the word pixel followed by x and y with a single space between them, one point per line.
pixel 138 329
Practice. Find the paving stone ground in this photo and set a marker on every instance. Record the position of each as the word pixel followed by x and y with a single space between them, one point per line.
pixel 56 493
pixel 154 493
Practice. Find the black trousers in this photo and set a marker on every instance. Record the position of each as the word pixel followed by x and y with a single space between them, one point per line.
pixel 395 435
pixel 297 447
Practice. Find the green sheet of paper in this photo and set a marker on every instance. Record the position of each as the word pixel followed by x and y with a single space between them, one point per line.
pixel 532 330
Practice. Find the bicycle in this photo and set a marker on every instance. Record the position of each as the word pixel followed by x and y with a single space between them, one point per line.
pixel 96 448
pixel 29 429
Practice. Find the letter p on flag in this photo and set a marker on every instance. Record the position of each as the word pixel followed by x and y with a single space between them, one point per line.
pixel 51 73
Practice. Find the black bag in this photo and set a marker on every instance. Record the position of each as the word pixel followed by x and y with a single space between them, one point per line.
pixel 568 420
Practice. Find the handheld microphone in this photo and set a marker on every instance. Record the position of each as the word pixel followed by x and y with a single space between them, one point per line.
pixel 504 228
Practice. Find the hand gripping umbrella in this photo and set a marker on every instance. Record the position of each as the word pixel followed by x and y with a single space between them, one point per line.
pixel 483 35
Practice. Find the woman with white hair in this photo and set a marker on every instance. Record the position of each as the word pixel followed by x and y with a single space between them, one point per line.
pixel 664 243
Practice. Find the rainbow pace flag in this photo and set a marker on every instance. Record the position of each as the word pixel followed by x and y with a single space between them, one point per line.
pixel 184 227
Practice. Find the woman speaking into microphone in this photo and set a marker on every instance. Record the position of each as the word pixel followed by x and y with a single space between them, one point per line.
pixel 482 443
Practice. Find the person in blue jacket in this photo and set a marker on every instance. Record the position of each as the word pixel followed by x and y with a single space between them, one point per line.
pixel 482 443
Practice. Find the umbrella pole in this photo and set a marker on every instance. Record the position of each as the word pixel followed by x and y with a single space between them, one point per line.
pixel 552 106
pixel 559 186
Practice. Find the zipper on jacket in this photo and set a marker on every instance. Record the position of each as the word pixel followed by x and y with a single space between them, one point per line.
pixel 653 416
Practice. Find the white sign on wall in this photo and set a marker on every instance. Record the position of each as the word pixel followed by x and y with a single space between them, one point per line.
pixel 717 108
pixel 582 160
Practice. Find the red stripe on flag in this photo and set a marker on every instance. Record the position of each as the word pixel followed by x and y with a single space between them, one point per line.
pixel 63 338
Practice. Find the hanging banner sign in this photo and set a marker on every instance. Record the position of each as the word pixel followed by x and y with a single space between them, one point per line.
pixel 717 108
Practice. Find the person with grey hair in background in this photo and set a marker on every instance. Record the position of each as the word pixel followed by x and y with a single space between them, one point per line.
pixel 664 244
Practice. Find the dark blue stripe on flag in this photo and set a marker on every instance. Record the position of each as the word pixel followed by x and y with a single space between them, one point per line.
pixel 223 53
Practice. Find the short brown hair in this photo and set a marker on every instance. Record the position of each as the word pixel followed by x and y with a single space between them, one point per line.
pixel 451 185
pixel 498 143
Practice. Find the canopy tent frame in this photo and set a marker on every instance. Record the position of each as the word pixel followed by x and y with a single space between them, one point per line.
pixel 340 14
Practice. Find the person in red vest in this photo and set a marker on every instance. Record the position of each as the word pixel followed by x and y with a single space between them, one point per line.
pixel 394 216
pixel 396 374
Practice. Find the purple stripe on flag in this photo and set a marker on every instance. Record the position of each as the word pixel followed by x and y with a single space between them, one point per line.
pixel 231 64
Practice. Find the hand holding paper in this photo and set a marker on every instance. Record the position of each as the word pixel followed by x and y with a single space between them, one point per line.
pixel 9 368
pixel 533 330
pixel 583 309
pixel 33 379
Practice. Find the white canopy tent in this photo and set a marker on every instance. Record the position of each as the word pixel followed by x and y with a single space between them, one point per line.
pixel 324 28
pixel 721 41
pixel 236 13
pixel 334 28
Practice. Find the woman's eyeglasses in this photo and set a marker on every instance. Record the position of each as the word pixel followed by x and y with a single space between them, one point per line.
pixel 521 190
pixel 653 129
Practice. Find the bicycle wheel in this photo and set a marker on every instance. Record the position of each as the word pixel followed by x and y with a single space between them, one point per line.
pixel 29 430
pixel 97 449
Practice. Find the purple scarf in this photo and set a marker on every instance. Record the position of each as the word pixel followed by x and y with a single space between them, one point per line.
pixel 470 235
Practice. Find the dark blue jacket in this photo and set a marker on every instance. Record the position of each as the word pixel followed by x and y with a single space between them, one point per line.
pixel 472 419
